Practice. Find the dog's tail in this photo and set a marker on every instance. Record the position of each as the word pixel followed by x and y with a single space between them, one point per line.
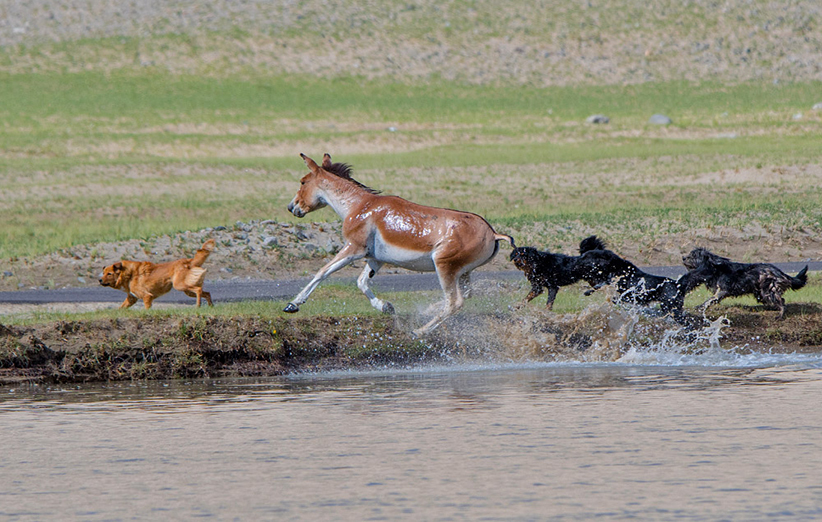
pixel 591 243
pixel 195 276
pixel 202 254
pixel 505 237
pixel 799 280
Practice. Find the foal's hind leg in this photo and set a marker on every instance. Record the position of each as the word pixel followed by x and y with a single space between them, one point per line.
pixel 453 300
pixel 371 268
pixel 465 285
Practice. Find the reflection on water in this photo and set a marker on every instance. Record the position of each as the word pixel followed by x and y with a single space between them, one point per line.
pixel 510 442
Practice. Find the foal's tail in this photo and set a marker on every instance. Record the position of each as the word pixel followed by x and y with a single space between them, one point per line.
pixel 505 237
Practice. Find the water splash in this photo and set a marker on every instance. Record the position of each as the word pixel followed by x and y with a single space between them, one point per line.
pixel 600 333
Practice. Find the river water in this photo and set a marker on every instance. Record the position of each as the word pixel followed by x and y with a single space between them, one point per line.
pixel 738 438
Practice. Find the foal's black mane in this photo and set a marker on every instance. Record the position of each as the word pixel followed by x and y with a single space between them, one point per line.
pixel 343 170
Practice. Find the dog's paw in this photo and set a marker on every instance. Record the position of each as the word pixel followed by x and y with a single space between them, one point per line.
pixel 388 309
pixel 291 308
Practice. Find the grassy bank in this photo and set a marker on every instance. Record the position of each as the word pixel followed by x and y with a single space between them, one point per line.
pixel 337 329
pixel 165 346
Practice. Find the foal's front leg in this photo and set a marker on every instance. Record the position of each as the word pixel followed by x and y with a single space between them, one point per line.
pixel 347 255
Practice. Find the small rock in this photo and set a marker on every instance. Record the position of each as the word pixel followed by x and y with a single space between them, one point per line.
pixel 817 106
pixel 392 129
pixel 270 241
pixel 81 280
pixel 598 118
pixel 7 273
pixel 797 116
pixel 219 228
pixel 660 119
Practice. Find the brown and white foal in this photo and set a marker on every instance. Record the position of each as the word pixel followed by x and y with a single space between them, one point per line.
pixel 388 229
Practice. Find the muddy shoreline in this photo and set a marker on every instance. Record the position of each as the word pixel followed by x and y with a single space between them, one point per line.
pixel 199 347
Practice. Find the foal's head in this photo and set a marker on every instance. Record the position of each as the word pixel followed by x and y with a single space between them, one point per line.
pixel 310 197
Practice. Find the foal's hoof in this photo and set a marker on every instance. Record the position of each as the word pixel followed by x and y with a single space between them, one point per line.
pixel 388 309
pixel 291 308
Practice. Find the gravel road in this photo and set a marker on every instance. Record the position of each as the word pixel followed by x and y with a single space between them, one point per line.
pixel 226 291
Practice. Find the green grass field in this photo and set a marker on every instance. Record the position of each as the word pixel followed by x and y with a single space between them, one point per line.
pixel 88 157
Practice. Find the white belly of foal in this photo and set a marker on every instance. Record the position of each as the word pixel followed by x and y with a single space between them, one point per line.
pixel 402 257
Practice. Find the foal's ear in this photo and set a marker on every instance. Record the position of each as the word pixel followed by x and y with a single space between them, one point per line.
pixel 312 166
pixel 326 160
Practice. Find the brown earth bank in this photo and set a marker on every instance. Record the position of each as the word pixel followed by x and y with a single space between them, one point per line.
pixel 196 347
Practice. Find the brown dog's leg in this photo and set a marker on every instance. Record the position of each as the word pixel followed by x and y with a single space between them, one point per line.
pixel 147 299
pixel 130 300
pixel 199 293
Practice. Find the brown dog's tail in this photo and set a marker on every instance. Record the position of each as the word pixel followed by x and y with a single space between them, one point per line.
pixel 202 254
pixel 505 237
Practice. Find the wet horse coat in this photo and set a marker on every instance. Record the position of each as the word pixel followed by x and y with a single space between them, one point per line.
pixel 388 229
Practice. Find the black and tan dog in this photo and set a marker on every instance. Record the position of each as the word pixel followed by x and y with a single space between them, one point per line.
pixel 547 270
pixel 147 281
pixel 601 267
pixel 726 278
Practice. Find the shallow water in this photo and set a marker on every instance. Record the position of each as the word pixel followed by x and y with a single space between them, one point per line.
pixel 541 441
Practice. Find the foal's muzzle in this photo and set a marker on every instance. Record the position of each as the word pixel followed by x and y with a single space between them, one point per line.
pixel 294 209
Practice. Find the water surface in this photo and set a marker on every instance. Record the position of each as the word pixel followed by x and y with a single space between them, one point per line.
pixel 737 441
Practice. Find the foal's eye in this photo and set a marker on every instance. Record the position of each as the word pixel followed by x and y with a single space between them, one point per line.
pixel 302 182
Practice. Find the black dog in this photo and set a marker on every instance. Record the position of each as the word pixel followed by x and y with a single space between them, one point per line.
pixel 726 278
pixel 549 270
pixel 600 267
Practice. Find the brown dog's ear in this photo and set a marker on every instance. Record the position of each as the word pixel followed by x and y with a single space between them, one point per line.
pixel 326 160
pixel 310 163
pixel 117 267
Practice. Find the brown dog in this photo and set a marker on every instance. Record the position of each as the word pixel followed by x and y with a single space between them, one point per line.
pixel 148 281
